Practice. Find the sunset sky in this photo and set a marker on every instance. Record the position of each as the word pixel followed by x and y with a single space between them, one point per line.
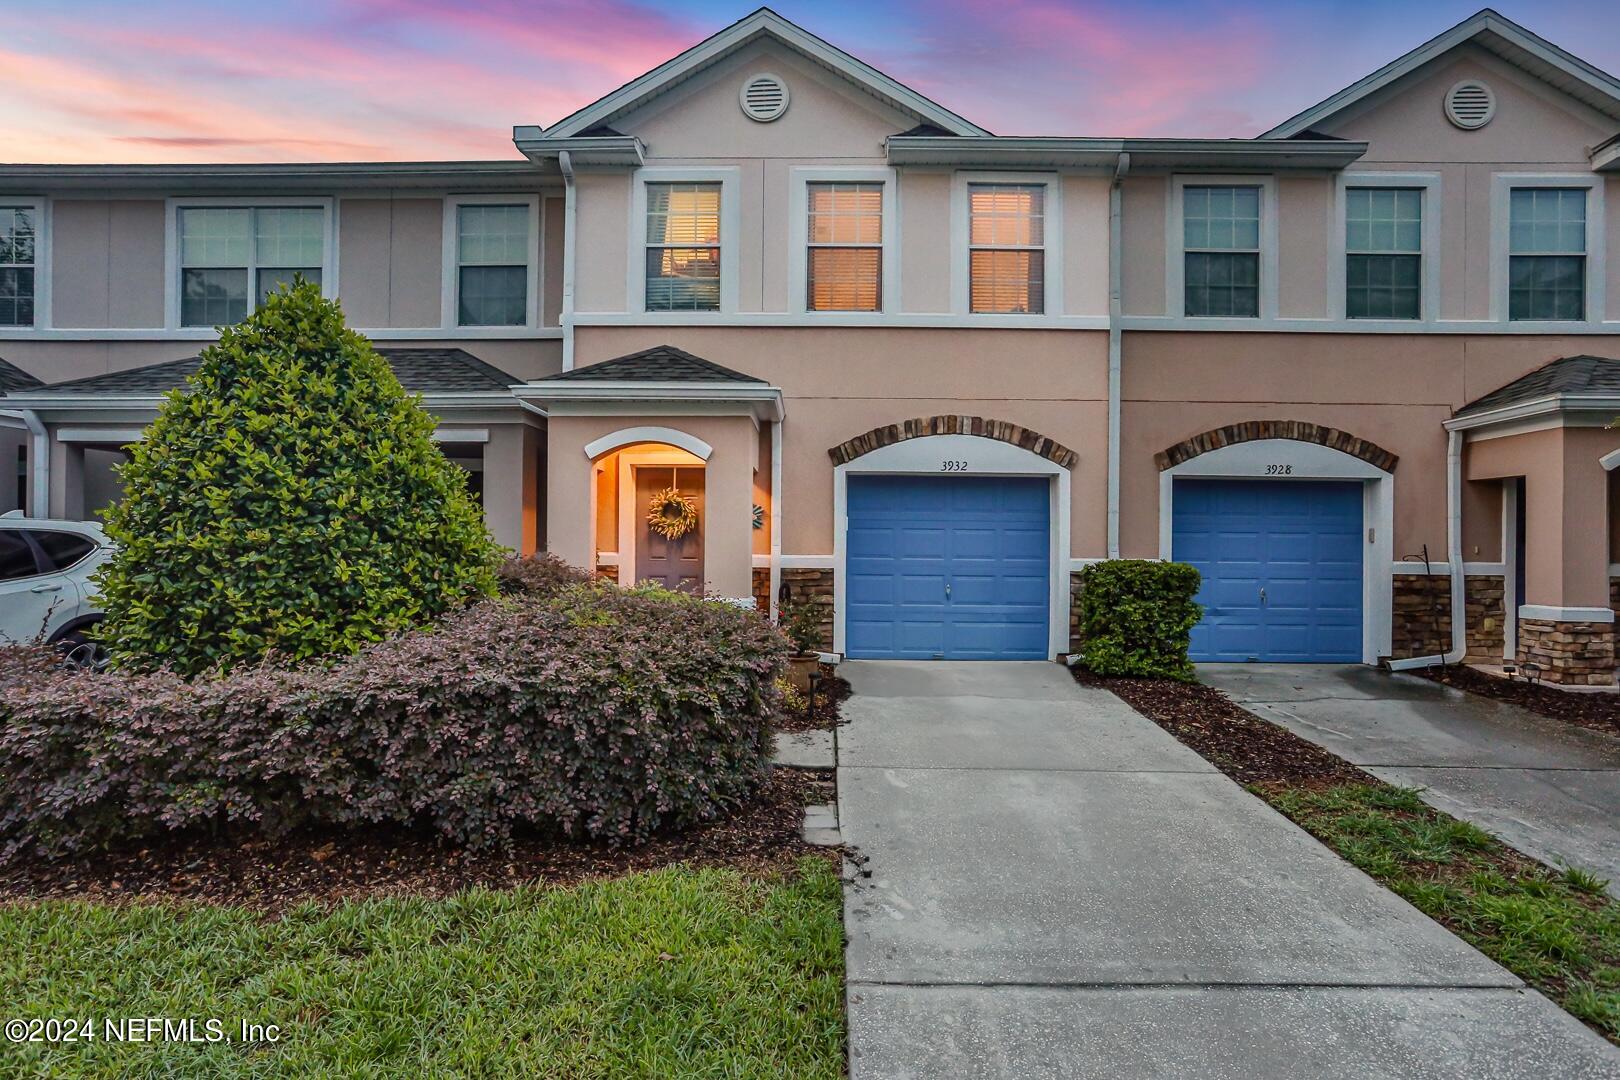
pixel 188 80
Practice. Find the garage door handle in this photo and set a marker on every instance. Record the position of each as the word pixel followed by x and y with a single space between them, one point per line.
pixel 1262 594
pixel 947 590
pixel 46 588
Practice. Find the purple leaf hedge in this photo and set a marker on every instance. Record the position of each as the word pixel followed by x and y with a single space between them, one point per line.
pixel 582 710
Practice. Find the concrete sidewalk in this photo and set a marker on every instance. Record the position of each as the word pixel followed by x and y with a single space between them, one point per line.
pixel 1059 888
pixel 1550 789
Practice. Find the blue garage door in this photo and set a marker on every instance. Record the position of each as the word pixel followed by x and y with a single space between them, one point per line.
pixel 1282 568
pixel 951 568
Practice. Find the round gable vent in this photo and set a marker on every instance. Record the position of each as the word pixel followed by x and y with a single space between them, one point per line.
pixel 1470 105
pixel 764 97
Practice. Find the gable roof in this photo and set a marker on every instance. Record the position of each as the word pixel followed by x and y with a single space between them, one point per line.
pixel 1494 32
pixel 426 371
pixel 14 378
pixel 659 364
pixel 762 23
pixel 1570 381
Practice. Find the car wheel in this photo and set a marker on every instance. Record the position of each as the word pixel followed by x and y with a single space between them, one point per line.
pixel 82 653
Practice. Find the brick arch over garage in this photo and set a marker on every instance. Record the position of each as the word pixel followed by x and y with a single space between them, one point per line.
pixel 1298 430
pixel 983 427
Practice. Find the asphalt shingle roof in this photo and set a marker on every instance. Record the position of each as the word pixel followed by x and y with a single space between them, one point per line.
pixel 425 371
pixel 14 378
pixel 661 363
pixel 1570 375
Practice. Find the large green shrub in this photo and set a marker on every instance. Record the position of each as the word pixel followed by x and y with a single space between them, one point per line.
pixel 289 499
pixel 593 712
pixel 1136 616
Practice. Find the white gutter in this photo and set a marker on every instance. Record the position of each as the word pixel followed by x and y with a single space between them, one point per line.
pixel 39 461
pixel 776 514
pixel 1115 378
pixel 565 162
pixel 1459 607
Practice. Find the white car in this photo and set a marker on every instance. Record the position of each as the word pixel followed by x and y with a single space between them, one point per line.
pixel 45 587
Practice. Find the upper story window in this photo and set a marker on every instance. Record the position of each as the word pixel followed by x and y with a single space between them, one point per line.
pixel 232 257
pixel 1547 254
pixel 17 253
pixel 492 264
pixel 1383 243
pixel 683 247
pixel 845 257
pixel 1007 248
pixel 1221 249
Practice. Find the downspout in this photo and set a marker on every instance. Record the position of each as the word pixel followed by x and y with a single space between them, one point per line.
pixel 776 513
pixel 39 461
pixel 565 162
pixel 1454 555
pixel 1115 306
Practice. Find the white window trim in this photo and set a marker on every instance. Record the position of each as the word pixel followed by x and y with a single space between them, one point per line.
pixel 961 245
pixel 42 260
pixel 729 177
pixel 1502 185
pixel 799 180
pixel 450 303
pixel 1175 249
pixel 1338 253
pixel 171 255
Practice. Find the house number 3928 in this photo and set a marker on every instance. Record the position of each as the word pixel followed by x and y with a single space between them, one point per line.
pixel 1279 470
pixel 953 466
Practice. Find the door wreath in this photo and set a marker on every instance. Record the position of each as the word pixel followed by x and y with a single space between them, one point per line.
pixel 671 514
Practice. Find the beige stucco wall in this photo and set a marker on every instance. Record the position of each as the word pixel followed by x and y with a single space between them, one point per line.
pixel 840 382
pixel 106 263
pixel 1304 217
pixel 390 268
pixel 1144 203
pixel 1566 492
pixel 925 238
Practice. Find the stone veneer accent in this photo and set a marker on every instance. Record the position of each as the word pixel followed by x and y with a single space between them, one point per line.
pixel 816 585
pixel 1298 430
pixel 1421 616
pixel 1000 430
pixel 762 588
pixel 1569 653
pixel 1074 611
pixel 605 570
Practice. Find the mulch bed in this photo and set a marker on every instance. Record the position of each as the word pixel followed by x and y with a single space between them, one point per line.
pixel 1243 746
pixel 330 865
pixel 1600 712
pixel 831 692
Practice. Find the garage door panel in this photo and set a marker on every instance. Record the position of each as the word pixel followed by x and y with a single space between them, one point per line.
pixel 1282 567
pixel 985 537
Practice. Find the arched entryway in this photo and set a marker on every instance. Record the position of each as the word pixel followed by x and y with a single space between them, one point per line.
pixel 1291 525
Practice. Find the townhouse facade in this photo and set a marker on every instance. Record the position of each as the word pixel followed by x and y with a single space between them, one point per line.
pixel 1358 369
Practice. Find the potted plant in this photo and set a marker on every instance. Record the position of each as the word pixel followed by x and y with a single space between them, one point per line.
pixel 800 620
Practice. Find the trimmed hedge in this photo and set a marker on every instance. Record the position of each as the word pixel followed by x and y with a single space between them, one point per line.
pixel 289 500
pixel 538 575
pixel 1136 616
pixel 597 713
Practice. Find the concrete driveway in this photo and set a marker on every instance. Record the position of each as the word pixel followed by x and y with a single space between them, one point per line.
pixel 1550 789
pixel 1060 889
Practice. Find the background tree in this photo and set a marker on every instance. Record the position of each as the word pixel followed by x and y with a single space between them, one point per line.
pixel 290 499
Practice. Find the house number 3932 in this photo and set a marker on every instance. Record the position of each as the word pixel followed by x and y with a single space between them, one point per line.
pixel 1279 470
pixel 953 466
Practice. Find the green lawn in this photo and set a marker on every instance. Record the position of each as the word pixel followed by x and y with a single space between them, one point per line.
pixel 673 973
pixel 1558 931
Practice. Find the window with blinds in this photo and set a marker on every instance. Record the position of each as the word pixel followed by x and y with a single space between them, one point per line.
pixel 683 247
pixel 1007 248
pixel 1547 254
pixel 845 256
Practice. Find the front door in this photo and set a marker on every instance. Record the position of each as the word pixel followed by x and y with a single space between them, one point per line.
pixel 674 564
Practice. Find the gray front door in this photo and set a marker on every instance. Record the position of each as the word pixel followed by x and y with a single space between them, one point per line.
pixel 674 564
